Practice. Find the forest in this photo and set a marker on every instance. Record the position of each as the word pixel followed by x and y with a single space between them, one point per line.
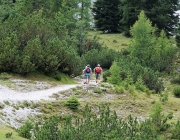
pixel 52 37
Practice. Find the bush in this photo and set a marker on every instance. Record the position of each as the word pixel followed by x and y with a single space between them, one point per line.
pixel 159 119
pixel 105 75
pixel 130 69
pixel 24 131
pixel 176 91
pixel 57 76
pixel 176 80
pixel 164 97
pixel 140 84
pixel 119 89
pixel 4 76
pixel 49 130
pixel 1 106
pixel 8 135
pixel 72 103
pixel 176 132
pixel 105 57
pixel 131 89
pixel 97 90
pixel 115 74
pixel 115 41
pixel 91 125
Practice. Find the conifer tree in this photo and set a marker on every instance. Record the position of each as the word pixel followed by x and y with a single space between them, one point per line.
pixel 161 13
pixel 106 15
pixel 158 54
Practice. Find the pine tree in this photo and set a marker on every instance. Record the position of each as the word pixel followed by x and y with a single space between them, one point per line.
pixel 155 53
pixel 106 15
pixel 161 13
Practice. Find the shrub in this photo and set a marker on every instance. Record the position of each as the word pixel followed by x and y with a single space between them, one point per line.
pixel 164 97
pixel 176 132
pixel 24 130
pixel 140 84
pixel 4 76
pixel 115 41
pixel 176 80
pixel 49 130
pixel 97 90
pixel 72 103
pixel 105 57
pixel 115 74
pixel 159 119
pixel 26 104
pixel 8 135
pixel 105 75
pixel 131 89
pixel 7 102
pixel 119 89
pixel 57 76
pixel 107 125
pixel 176 91
pixel 1 106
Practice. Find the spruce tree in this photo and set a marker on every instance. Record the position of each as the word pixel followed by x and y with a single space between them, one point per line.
pixel 161 13
pixel 106 15
pixel 155 53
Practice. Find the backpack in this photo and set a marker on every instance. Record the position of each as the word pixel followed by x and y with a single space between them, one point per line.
pixel 98 70
pixel 88 70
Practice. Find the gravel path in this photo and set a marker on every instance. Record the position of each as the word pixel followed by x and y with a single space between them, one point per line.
pixel 13 117
pixel 34 91
pixel 9 94
pixel 27 91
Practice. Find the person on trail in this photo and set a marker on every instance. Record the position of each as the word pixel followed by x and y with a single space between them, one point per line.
pixel 84 72
pixel 87 74
pixel 98 71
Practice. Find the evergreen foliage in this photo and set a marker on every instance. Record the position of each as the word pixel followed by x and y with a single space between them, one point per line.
pixel 46 36
pixel 147 57
pixel 24 131
pixel 153 52
pixel 115 74
pixel 176 92
pixel 106 15
pixel 107 125
pixel 48 131
pixel 72 103
pixel 161 13
pixel 103 56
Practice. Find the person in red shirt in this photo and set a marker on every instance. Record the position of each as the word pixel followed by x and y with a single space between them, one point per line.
pixel 98 71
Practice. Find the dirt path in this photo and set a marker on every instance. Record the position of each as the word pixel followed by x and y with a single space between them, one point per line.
pixel 9 94
pixel 26 91
pixel 34 92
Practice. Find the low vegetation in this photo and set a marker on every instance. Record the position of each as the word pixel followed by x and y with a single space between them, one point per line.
pixel 7 133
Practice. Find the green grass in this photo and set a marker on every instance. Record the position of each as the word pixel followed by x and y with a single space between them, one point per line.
pixel 36 76
pixel 4 130
pixel 112 41
pixel 52 80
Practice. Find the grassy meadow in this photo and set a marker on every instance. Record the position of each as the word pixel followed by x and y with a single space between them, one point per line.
pixel 112 41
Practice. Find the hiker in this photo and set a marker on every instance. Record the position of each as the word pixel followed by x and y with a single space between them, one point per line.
pixel 87 74
pixel 98 71
pixel 84 72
